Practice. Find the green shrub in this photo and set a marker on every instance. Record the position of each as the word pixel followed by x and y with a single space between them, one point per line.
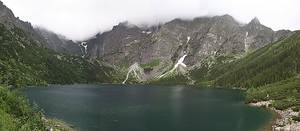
pixel 296 118
pixel 17 114
pixel 285 103
pixel 151 64
pixel 6 122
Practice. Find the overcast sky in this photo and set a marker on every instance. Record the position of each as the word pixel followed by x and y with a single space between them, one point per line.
pixel 80 19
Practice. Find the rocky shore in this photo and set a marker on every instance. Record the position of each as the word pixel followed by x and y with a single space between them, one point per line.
pixel 284 121
pixel 57 125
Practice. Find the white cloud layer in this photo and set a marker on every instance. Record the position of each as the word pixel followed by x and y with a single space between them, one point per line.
pixel 80 19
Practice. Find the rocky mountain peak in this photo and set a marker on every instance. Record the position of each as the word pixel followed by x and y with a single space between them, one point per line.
pixel 254 27
pixel 6 15
pixel 255 21
pixel 226 17
pixel 176 21
pixel 124 25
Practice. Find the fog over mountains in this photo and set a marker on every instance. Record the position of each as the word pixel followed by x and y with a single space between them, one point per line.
pixel 79 20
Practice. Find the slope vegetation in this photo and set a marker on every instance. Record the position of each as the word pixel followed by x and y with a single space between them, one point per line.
pixel 270 73
pixel 23 62
pixel 273 63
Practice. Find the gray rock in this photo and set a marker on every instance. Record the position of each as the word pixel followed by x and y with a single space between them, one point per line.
pixel 210 37
pixel 203 39
pixel 59 43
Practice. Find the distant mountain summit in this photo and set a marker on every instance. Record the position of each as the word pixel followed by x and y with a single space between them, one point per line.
pixel 255 21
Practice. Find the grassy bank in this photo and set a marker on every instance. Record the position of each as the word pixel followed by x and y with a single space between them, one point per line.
pixel 17 114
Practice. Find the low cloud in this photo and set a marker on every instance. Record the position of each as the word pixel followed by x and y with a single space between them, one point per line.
pixel 80 19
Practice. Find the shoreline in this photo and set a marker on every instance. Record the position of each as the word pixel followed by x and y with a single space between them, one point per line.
pixel 53 124
pixel 283 120
pixel 269 125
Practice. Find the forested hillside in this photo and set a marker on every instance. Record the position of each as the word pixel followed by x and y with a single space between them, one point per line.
pixel 270 73
pixel 23 62
pixel 273 63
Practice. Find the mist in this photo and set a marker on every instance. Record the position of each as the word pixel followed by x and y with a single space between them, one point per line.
pixel 81 19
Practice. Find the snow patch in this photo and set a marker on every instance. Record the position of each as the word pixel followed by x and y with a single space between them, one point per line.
pixel 84 45
pixel 177 65
pixel 188 39
pixel 146 32
pixel 247 42
pixel 179 62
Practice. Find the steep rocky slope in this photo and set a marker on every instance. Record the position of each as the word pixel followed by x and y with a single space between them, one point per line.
pixel 10 21
pixel 25 59
pixel 205 42
pixel 23 62
pixel 203 39
pixel 275 62
pixel 42 37
pixel 59 43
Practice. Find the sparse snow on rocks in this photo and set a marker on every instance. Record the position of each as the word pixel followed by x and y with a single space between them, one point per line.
pixel 146 32
pixel 247 43
pixel 188 39
pixel 179 63
pixel 137 71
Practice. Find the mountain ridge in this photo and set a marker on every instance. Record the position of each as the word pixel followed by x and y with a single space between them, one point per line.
pixel 210 37
pixel 203 40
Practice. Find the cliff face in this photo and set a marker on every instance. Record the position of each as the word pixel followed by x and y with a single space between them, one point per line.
pixel 59 43
pixel 202 39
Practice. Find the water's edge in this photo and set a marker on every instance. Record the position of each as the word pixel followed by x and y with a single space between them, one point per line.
pixel 283 120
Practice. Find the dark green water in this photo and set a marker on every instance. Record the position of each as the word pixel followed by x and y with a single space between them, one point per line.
pixel 148 108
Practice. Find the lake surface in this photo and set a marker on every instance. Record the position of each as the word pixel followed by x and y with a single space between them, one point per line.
pixel 148 108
